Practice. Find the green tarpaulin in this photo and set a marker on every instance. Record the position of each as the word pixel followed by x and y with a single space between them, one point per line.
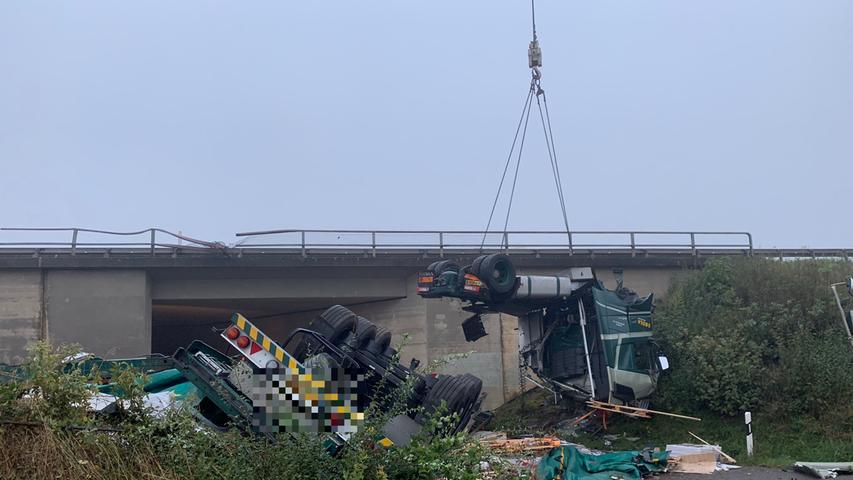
pixel 568 463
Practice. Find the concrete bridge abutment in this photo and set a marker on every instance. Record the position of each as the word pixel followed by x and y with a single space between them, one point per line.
pixel 161 304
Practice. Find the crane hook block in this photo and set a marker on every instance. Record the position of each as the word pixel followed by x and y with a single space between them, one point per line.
pixel 534 55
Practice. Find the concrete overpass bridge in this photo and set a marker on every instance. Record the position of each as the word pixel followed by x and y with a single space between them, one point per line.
pixel 126 294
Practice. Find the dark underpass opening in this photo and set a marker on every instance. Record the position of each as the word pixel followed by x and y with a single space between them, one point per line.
pixel 176 324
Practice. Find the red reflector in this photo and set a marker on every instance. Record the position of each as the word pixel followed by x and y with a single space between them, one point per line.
pixel 232 333
pixel 243 342
pixel 255 348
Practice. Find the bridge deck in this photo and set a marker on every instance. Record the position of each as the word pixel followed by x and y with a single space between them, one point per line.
pixel 168 257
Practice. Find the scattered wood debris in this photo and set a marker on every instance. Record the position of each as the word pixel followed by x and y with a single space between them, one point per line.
pixel 498 441
pixel 635 412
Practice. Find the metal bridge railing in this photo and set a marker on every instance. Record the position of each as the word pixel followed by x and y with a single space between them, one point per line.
pixel 78 238
pixel 75 239
pixel 480 240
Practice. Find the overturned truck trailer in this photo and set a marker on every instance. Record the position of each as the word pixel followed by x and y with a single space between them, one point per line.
pixel 269 386
pixel 585 341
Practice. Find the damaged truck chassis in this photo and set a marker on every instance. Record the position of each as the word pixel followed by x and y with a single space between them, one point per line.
pixel 585 341
pixel 221 394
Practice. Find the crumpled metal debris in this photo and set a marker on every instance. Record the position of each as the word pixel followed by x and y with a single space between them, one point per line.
pixel 824 470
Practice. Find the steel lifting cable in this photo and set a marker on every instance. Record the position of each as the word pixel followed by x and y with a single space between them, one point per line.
pixel 517 165
pixel 534 62
pixel 525 112
pixel 552 154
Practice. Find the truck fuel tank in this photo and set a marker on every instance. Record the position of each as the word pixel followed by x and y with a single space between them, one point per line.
pixel 551 286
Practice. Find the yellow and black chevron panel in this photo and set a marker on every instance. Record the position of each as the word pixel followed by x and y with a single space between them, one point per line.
pixel 264 341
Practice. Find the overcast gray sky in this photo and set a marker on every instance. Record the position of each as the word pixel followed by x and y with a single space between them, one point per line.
pixel 215 117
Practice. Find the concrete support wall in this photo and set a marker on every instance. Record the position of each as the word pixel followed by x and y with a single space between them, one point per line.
pixel 403 317
pixel 20 313
pixel 343 287
pixel 642 280
pixel 107 312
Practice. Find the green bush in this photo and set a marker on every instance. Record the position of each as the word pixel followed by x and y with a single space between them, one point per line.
pixel 747 334
pixel 48 433
pixel 47 392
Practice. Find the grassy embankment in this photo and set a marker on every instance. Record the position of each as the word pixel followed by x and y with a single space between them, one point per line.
pixel 778 441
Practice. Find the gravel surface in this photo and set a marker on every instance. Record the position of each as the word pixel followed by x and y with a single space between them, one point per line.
pixel 746 473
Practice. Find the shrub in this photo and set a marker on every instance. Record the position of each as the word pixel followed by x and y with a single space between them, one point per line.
pixel 756 333
pixel 52 435
pixel 48 392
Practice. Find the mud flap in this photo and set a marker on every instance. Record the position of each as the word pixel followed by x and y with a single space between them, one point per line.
pixel 473 328
pixel 400 430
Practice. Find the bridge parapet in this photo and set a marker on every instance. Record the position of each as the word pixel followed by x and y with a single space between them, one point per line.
pixel 153 247
pixel 376 240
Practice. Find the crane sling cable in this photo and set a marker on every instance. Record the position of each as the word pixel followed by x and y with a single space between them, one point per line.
pixel 534 56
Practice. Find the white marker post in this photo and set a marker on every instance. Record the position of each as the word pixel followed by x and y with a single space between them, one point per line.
pixel 747 419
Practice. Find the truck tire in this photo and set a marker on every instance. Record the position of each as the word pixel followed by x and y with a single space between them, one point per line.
pixel 475 265
pixel 475 386
pixel 340 321
pixel 438 268
pixel 498 273
pixel 454 390
pixel 381 341
pixel 363 332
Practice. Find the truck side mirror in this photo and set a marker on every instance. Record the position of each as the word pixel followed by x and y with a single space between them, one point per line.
pixel 664 362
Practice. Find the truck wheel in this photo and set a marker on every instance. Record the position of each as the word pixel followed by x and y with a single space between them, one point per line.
pixel 340 321
pixel 380 342
pixel 438 268
pixel 475 265
pixel 454 390
pixel 475 386
pixel 498 273
pixel 363 332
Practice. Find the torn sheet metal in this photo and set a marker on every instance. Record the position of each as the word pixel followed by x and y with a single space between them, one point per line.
pixel 824 470
pixel 159 403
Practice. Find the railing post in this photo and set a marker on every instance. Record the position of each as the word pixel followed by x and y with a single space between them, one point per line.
pixel 749 237
pixel 633 245
pixel 506 241
pixel 153 240
pixel 302 233
pixel 693 243
pixel 441 244
pixel 571 244
pixel 373 242
pixel 74 242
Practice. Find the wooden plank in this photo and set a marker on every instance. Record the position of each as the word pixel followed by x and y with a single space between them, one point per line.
pixel 630 414
pixel 645 410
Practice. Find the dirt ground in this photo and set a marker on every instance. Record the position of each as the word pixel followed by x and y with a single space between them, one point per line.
pixel 746 473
